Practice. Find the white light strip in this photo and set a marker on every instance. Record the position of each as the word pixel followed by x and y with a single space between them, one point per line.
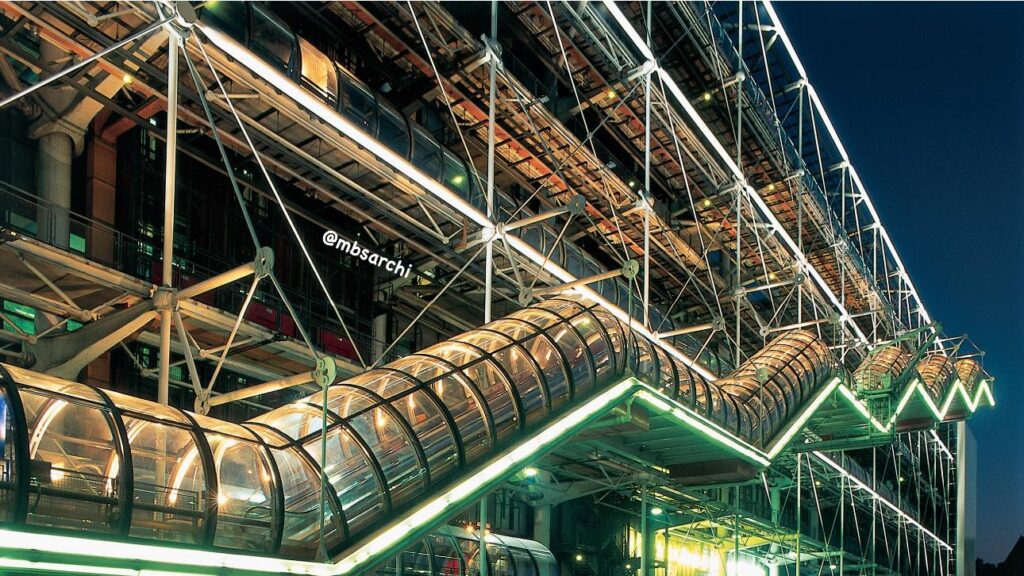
pixel 941 444
pixel 340 123
pixel 343 125
pixel 820 108
pixel 805 415
pixel 103 549
pixel 880 498
pixel 766 212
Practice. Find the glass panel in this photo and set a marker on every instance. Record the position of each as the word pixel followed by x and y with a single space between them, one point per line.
pixel 415 560
pixel 456 177
pixel 446 555
pixel 300 482
pixel 499 563
pixel 228 17
pixel 524 376
pixel 537 317
pixel 422 368
pixel 271 38
pixel 318 70
pixel 468 414
pixel 587 326
pixel 151 409
pixel 54 385
pixel 394 451
pixel 666 372
pixel 8 466
pixel 614 329
pixel 358 103
pixel 456 353
pixel 513 328
pixel 431 430
pixel 386 383
pixel 550 361
pixel 426 154
pixel 344 401
pixel 297 421
pixel 576 353
pixel 686 377
pixel 486 340
pixel 523 562
pixel 163 509
pixel 647 364
pixel 245 501
pixel 72 451
pixel 495 389
pixel 546 564
pixel 351 475
pixel 470 556
pixel 394 131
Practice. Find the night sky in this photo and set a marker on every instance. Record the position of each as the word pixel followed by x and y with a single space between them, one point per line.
pixel 929 101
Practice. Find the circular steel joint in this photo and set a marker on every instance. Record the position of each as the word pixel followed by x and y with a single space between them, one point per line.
pixel 165 298
pixel 630 269
pixel 263 265
pixel 326 371
pixel 577 204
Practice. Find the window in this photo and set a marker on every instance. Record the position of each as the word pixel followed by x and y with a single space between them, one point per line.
pixel 228 17
pixel 318 71
pixel 358 103
pixel 426 154
pixel 394 131
pixel 271 38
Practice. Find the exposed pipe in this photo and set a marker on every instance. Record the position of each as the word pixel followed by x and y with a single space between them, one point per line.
pixel 170 182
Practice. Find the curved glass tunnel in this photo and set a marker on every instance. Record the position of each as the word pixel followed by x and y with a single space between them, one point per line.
pixel 87 460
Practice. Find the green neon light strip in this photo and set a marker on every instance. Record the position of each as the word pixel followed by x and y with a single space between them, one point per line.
pixel 435 509
pixel 713 431
pixel 856 481
pixel 805 415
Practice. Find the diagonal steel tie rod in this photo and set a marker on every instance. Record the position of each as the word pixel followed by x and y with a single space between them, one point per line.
pixel 76 67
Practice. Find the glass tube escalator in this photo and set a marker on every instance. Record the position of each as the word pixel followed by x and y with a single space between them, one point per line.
pixel 84 460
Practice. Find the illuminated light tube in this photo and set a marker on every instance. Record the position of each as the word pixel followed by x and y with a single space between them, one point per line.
pixel 343 125
pixel 126 551
pixel 856 403
pixel 805 415
pixel 14 564
pixel 941 444
pixel 340 123
pixel 777 228
pixel 880 498
pixel 658 401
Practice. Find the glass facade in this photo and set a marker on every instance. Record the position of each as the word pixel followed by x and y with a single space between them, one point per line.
pixel 88 460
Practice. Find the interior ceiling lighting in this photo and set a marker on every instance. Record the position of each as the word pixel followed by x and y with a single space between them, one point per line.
pixel 530 472
pixel 657 511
